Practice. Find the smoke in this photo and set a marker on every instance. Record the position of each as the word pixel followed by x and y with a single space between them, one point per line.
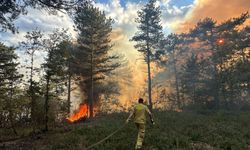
pixel 219 10
pixel 132 78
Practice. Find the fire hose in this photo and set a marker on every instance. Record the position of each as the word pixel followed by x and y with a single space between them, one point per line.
pixel 107 137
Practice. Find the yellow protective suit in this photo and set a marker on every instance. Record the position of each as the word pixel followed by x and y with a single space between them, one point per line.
pixel 139 113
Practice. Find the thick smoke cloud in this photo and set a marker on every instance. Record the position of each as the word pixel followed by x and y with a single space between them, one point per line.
pixel 219 10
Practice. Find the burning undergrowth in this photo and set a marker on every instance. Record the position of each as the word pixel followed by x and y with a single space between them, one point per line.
pixel 81 114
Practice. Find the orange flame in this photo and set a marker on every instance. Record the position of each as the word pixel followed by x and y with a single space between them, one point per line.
pixel 220 41
pixel 83 112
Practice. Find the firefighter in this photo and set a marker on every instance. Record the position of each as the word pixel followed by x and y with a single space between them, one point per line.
pixel 139 116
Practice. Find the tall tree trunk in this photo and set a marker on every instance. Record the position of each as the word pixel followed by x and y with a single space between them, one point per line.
pixel 149 72
pixel 221 85
pixel 149 79
pixel 32 96
pixel 47 102
pixel 69 89
pixel 69 94
pixel 10 108
pixel 216 89
pixel 92 87
pixel 176 84
pixel 91 97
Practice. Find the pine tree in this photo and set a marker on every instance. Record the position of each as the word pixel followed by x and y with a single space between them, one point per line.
pixel 9 82
pixel 148 36
pixel 190 77
pixel 93 53
pixel 32 45
pixel 10 10
pixel 236 75
pixel 221 41
pixel 67 50
pixel 168 55
pixel 54 64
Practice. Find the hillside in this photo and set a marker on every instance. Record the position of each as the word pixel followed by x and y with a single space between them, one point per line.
pixel 182 131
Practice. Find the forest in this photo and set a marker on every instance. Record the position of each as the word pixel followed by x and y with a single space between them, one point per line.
pixel 64 90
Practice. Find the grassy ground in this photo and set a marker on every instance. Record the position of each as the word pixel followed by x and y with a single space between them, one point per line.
pixel 173 131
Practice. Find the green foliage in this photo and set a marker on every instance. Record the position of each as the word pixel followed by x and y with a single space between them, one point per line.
pixel 11 10
pixel 54 66
pixel 94 61
pixel 171 48
pixel 225 43
pixel 150 29
pixel 9 86
pixel 32 44
pixel 190 78
pixel 188 131
pixel 148 37
pixel 216 75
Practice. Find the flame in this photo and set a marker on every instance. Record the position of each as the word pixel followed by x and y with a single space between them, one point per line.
pixel 83 112
pixel 220 41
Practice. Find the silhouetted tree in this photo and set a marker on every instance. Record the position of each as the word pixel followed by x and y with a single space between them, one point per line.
pixel 189 76
pixel 54 64
pixel 93 52
pixel 31 45
pixel 221 42
pixel 67 49
pixel 170 49
pixel 9 84
pixel 148 36
pixel 10 10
